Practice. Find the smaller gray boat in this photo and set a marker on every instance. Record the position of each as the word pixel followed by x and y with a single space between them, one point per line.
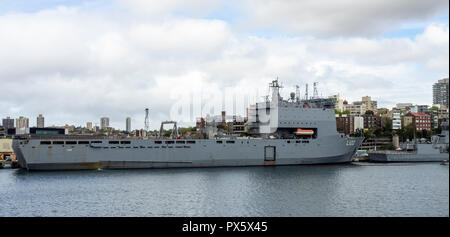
pixel 436 150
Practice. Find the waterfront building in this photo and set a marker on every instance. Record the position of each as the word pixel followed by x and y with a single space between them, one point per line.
pixel 356 109
pixel 396 119
pixel 339 106
pixel 104 123
pixel 22 125
pixel 421 121
pixel 419 108
pixel 22 122
pixel 128 124
pixel 345 124
pixel 434 119
pixel 40 121
pixel 443 112
pixel 440 92
pixel 372 121
pixel 370 104
pixel 407 120
pixel 359 123
pixel 403 106
pixel 8 123
pixel 89 126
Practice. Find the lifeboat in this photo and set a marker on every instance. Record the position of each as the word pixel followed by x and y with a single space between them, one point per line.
pixel 304 132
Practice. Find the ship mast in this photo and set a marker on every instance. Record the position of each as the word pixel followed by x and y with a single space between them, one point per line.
pixel 275 90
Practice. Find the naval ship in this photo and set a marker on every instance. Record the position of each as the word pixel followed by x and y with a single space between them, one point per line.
pixel 434 150
pixel 280 132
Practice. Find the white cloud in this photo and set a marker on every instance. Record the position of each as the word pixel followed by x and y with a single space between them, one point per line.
pixel 155 8
pixel 343 17
pixel 75 66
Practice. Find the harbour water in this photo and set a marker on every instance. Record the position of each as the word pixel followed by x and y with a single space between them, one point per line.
pixel 362 189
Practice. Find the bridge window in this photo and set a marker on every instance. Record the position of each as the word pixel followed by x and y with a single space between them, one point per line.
pixel 190 142
pixel 158 142
pixel 230 141
pixel 45 143
pixel 113 142
pixel 71 142
pixel 125 142
pixel 58 142
pixel 83 142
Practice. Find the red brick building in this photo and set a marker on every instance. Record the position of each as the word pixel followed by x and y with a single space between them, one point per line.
pixel 421 121
pixel 345 124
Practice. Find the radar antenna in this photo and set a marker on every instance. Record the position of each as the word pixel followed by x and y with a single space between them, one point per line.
pixel 306 92
pixel 297 93
pixel 315 93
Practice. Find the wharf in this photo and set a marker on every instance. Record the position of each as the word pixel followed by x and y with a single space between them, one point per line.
pixel 14 164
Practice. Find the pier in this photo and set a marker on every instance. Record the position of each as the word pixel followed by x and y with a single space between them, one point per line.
pixel 12 164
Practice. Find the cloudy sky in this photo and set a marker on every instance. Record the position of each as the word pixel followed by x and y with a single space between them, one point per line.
pixel 76 61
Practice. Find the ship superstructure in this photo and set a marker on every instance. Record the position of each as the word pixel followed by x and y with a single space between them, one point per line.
pixel 281 132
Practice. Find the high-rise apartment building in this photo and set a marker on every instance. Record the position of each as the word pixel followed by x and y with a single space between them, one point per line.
pixel 22 122
pixel 440 92
pixel 40 121
pixel 104 122
pixel 370 104
pixel 128 124
pixel 89 126
pixel 8 123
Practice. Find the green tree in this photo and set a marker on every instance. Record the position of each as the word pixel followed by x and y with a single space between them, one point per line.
pixel 434 108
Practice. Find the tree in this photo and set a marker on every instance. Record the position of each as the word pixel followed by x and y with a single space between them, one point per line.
pixel 369 112
pixel 434 108
pixel 406 132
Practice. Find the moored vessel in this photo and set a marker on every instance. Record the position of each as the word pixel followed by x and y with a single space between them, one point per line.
pixel 280 132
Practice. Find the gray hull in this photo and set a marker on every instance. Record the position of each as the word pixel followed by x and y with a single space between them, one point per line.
pixel 424 153
pixel 140 154
pixel 407 157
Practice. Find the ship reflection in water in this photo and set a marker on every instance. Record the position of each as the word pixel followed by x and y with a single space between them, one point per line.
pixel 413 189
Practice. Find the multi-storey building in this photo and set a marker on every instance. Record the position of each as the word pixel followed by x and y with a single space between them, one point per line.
pixel 339 106
pixel 403 106
pixel 356 109
pixel 89 126
pixel 8 123
pixel 407 119
pixel 128 124
pixel 396 119
pixel 419 108
pixel 440 92
pixel 104 123
pixel 372 121
pixel 22 122
pixel 421 121
pixel 40 121
pixel 345 124
pixel 370 104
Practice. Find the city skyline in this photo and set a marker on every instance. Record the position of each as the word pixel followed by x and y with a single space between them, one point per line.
pixel 347 106
pixel 116 58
